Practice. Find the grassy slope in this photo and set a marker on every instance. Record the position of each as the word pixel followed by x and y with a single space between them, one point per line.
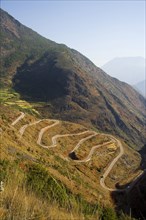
pixel 75 187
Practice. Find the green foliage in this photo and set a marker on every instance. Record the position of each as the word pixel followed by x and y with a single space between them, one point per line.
pixel 11 59
pixel 12 98
pixel 39 180
pixel 36 179
pixel 44 185
pixel 86 207
pixel 10 169
pixel 8 95
pixel 4 166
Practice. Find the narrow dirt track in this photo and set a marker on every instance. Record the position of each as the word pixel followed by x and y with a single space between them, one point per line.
pixel 54 138
pixel 83 140
pixel 43 130
pixel 109 168
pixel 23 128
pixel 88 158
pixel 18 119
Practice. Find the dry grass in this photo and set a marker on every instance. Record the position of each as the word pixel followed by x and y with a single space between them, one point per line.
pixel 19 205
pixel 81 179
pixel 130 163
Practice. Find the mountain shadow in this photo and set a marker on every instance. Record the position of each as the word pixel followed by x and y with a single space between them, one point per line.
pixel 142 152
pixel 42 80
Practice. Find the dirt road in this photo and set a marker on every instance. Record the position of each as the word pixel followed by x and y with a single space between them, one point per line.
pixel 91 153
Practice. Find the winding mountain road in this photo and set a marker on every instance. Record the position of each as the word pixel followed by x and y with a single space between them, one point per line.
pixel 54 138
pixel 43 130
pixel 88 158
pixel 109 168
pixel 22 115
pixel 23 128
pixel 83 140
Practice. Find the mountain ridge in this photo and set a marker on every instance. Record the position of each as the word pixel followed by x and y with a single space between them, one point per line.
pixel 70 85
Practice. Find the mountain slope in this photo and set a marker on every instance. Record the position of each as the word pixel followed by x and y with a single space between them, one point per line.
pixel 37 160
pixel 17 44
pixel 70 86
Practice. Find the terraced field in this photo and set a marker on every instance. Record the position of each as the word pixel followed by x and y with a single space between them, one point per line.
pixel 11 98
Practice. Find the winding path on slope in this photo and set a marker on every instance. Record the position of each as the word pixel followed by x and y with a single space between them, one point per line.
pixel 54 138
pixel 54 144
pixel 24 127
pixel 109 168
pixel 43 130
pixel 88 158
pixel 83 140
pixel 22 115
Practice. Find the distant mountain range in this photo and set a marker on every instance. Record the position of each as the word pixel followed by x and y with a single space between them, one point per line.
pixel 141 87
pixel 70 86
pixel 127 69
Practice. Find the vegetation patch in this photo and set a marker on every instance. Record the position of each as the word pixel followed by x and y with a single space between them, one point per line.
pixel 37 186
pixel 9 97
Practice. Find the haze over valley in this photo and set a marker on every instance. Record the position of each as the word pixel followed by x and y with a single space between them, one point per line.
pixel 128 69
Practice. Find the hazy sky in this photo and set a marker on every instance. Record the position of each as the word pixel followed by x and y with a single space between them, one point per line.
pixel 101 30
